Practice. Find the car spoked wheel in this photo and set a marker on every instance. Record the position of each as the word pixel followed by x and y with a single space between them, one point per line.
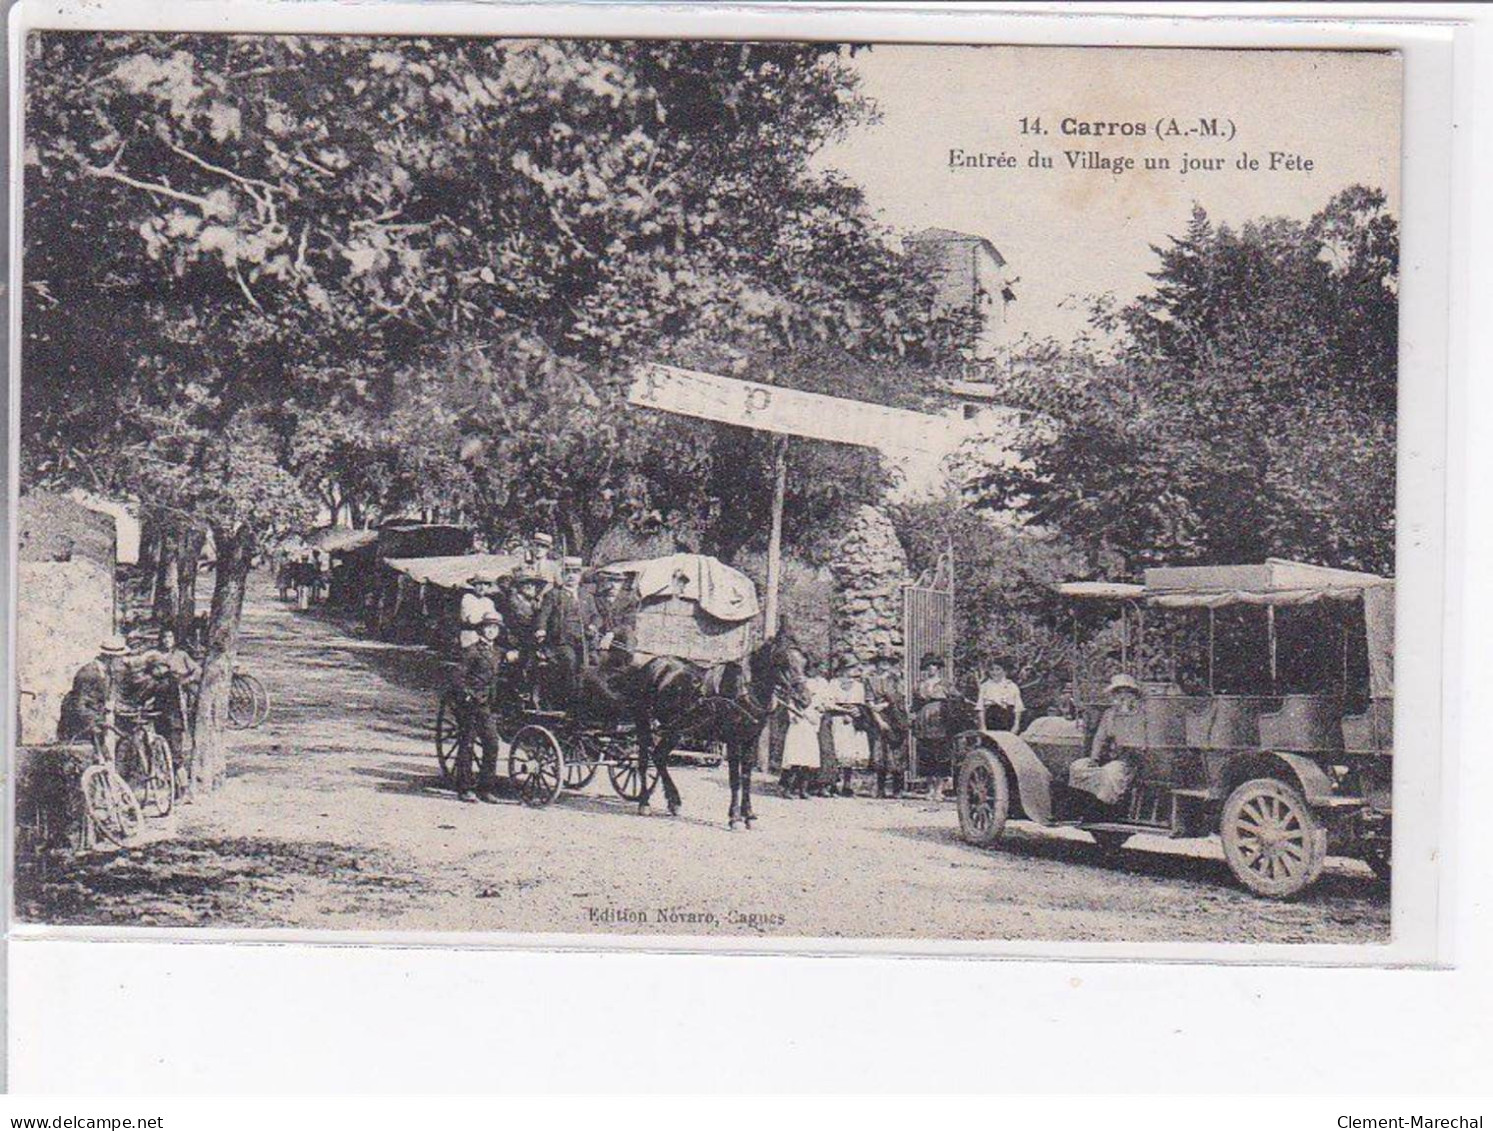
pixel 1274 844
pixel 984 796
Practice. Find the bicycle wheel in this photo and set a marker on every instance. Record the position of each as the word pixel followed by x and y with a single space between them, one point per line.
pixel 160 783
pixel 241 702
pixel 132 761
pixel 111 805
pixel 261 700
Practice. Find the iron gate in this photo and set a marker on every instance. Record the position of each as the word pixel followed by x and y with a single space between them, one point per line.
pixel 927 626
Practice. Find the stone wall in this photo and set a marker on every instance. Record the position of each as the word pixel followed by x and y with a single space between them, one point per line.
pixel 63 611
pixel 870 569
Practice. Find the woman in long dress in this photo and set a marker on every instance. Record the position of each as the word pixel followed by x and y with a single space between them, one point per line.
pixel 848 737
pixel 801 742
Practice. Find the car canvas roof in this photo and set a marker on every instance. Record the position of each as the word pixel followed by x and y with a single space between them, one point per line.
pixel 1273 582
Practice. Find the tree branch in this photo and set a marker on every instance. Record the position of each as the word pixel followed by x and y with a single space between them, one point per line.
pixel 108 172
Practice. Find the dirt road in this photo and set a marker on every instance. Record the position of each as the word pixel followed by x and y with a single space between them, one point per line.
pixel 334 817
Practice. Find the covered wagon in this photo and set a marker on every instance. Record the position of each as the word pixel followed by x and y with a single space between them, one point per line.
pixel 691 606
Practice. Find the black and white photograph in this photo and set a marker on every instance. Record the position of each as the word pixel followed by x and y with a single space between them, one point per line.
pixel 698 489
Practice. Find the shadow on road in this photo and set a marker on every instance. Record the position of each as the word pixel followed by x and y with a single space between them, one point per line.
pixel 1332 887
pixel 200 881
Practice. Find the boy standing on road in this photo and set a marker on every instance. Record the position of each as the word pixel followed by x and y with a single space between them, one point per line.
pixel 478 680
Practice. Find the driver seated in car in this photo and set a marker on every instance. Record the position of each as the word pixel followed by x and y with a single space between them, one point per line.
pixel 1108 773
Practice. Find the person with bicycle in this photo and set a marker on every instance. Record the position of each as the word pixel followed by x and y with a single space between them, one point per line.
pixel 478 682
pixel 99 687
pixel 172 674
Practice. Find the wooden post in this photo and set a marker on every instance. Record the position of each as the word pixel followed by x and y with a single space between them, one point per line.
pixel 775 536
pixel 1211 639
pixel 1270 627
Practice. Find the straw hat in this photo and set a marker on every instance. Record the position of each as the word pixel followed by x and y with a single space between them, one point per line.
pixel 1122 682
pixel 114 645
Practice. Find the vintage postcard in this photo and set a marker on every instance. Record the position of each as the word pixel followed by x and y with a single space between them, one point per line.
pixel 702 489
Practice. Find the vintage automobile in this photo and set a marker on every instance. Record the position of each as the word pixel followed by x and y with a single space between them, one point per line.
pixel 1266 718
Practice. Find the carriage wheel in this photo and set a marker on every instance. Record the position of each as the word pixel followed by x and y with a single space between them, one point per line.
pixel 628 782
pixel 536 765
pixel 111 805
pixel 447 735
pixel 160 781
pixel 581 769
pixel 242 702
pixel 1273 842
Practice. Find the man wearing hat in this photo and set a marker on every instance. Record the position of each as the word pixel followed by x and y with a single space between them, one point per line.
pixel 1108 773
pixel 478 681
pixel 523 613
pixel 476 603
pixel 98 687
pixel 564 628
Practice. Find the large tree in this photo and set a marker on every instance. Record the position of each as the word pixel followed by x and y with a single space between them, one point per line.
pixel 264 273
pixel 1244 408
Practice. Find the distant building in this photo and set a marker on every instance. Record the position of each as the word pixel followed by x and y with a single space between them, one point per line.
pixel 969 274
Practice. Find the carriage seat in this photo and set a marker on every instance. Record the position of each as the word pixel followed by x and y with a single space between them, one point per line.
pixel 1224 722
pixel 1304 722
pixel 1371 732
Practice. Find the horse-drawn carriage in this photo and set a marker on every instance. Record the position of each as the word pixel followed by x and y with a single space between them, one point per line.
pixel 1263 714
pixel 684 607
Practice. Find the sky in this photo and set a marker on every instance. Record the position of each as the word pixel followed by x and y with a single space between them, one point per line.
pixel 1064 231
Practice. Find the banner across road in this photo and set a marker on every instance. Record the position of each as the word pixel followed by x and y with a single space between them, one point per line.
pixel 789 412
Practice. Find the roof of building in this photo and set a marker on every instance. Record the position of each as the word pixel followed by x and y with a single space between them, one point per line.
pixel 948 235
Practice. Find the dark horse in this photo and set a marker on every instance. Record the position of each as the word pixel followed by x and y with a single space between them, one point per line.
pixel 730 703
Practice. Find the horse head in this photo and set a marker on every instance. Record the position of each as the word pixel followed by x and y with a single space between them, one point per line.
pixel 776 670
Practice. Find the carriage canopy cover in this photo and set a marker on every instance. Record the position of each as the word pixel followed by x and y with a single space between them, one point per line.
pixel 453 572
pixel 339 539
pixel 691 606
pixel 720 591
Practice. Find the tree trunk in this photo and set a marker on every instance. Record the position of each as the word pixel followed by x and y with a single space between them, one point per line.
pixel 235 558
pixel 188 559
pixel 166 607
pixel 150 552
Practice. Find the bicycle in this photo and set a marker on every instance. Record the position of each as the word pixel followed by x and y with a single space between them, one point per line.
pixel 110 806
pixel 248 702
pixel 147 752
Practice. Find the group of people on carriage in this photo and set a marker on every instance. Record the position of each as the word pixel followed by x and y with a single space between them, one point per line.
pixel 528 640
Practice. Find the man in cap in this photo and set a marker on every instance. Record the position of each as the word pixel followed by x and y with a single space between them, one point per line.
pixel 98 688
pixel 610 621
pixel 478 682
pixel 476 603
pixel 1108 772
pixel 541 554
pixel 524 614
pixel 564 628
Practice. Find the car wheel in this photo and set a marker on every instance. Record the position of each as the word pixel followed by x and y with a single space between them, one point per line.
pixel 1272 840
pixel 984 796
